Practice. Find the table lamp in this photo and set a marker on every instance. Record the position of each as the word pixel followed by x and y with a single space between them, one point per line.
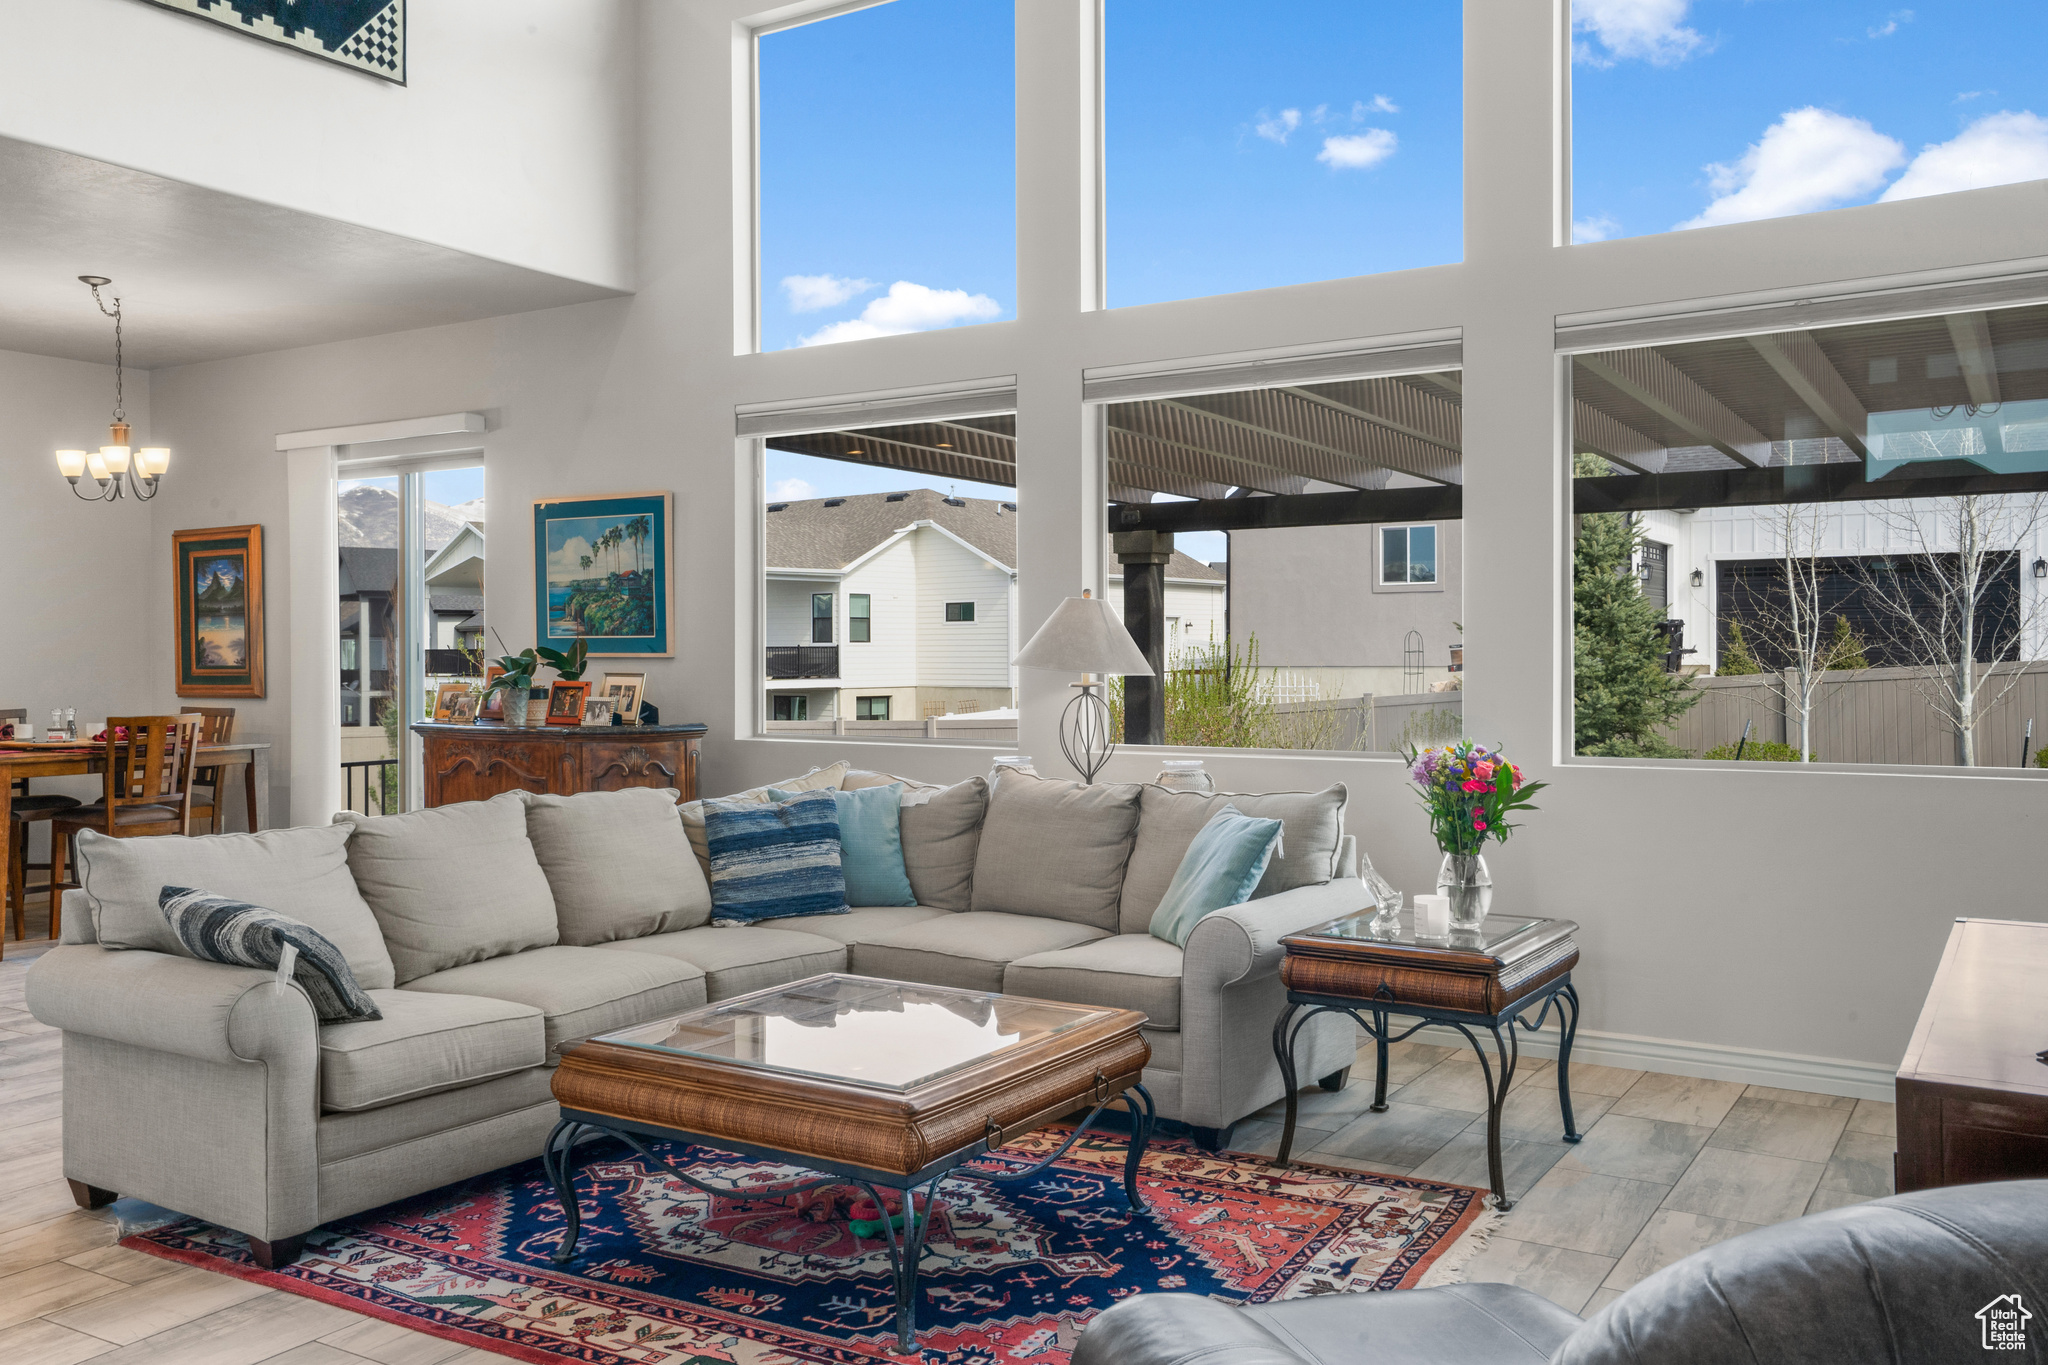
pixel 1084 636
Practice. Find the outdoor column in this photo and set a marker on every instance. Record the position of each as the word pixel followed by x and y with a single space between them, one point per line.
pixel 1143 555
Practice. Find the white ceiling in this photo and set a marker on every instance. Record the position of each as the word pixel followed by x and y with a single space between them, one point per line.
pixel 203 275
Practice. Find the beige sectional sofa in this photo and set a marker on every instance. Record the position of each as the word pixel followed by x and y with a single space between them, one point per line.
pixel 491 933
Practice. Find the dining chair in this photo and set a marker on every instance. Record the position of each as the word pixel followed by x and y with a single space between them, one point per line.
pixel 216 726
pixel 26 811
pixel 148 791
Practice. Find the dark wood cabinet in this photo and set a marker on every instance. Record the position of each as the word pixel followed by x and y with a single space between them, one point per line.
pixel 1973 1090
pixel 476 762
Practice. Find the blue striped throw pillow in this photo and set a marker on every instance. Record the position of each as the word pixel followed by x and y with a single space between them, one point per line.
pixel 238 934
pixel 773 860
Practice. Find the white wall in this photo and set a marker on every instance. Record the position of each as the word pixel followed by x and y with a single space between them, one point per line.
pixel 513 141
pixel 889 657
pixel 960 653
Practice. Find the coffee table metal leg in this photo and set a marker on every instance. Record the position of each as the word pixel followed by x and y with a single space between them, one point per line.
pixel 1379 1082
pixel 1141 1138
pixel 906 1252
pixel 556 1158
pixel 1564 1060
pixel 1283 1052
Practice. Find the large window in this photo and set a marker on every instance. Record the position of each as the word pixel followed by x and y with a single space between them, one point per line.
pixel 911 530
pixel 1692 113
pixel 1266 551
pixel 1258 145
pixel 887 172
pixel 1820 545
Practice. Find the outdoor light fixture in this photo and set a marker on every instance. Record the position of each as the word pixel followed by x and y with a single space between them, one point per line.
pixel 2041 568
pixel 1699 580
pixel 1084 636
pixel 117 470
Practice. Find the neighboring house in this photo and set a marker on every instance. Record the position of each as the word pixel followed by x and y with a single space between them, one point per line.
pixel 455 590
pixel 368 589
pixel 900 606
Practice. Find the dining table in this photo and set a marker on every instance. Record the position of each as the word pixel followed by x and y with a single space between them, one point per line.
pixel 44 758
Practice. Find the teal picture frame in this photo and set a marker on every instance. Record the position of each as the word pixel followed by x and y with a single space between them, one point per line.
pixel 603 573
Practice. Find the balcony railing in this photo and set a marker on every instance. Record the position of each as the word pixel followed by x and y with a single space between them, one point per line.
pixel 371 786
pixel 803 661
pixel 450 663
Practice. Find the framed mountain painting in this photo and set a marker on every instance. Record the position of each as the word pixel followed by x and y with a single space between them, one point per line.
pixel 219 577
pixel 364 35
pixel 602 569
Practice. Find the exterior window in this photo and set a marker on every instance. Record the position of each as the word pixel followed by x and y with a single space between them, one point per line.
pixel 959 611
pixel 857 617
pixel 821 618
pixel 792 708
pixel 871 708
pixel 1408 554
pixel 1656 573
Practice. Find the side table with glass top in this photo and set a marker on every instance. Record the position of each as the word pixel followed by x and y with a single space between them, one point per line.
pixel 880 1084
pixel 1491 978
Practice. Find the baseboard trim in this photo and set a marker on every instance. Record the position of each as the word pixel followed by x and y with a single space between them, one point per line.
pixel 1707 1061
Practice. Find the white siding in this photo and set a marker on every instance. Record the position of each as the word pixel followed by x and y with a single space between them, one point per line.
pixel 966 653
pixel 889 659
pixel 1194 612
pixel 789 609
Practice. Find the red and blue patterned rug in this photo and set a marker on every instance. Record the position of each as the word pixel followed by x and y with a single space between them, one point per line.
pixel 666 1275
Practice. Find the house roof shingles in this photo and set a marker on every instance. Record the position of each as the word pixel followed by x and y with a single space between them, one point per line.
pixel 807 534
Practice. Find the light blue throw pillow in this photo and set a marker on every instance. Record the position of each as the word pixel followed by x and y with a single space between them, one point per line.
pixel 870 844
pixel 769 861
pixel 1221 868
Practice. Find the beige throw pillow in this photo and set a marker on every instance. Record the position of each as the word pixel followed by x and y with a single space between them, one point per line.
pixel 618 863
pixel 1055 850
pixel 1312 826
pixel 941 829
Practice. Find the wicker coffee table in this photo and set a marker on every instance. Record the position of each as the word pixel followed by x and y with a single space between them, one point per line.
pixel 881 1084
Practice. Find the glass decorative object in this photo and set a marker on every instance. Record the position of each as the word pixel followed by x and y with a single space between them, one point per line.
pixel 1184 775
pixel 1464 879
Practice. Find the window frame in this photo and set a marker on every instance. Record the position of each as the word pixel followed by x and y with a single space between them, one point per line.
pixel 831 606
pixel 1434 583
pixel 859 624
pixel 867 704
pixel 964 620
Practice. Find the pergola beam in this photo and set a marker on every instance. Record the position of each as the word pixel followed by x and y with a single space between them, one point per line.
pixel 1397 405
pixel 1130 449
pixel 1648 378
pixel 1241 444
pixel 893 454
pixel 1330 429
pixel 1613 440
pixel 1971 333
pixel 1807 371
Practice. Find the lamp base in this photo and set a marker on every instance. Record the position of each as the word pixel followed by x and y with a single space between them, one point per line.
pixel 1086 732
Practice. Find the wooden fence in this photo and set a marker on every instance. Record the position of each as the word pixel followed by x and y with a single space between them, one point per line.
pixel 1873 715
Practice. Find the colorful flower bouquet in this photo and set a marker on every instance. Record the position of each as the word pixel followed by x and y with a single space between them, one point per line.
pixel 1468 790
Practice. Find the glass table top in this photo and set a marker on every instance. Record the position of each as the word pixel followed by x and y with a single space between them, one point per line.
pixel 887 1034
pixel 1492 931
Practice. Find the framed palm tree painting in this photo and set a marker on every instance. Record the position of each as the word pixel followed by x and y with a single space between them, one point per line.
pixel 603 569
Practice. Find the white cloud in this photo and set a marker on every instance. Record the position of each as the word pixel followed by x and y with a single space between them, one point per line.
pixel 1891 24
pixel 905 308
pixel 1380 105
pixel 1965 96
pixel 1276 127
pixel 1809 159
pixel 1997 149
pixel 1358 152
pixel 1598 228
pixel 809 293
pixel 1652 30
pixel 566 562
pixel 790 490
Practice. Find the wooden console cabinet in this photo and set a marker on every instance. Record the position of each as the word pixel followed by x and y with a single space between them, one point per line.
pixel 476 762
pixel 1973 1089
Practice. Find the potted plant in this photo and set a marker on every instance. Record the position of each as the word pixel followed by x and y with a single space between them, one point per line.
pixel 515 683
pixel 1468 790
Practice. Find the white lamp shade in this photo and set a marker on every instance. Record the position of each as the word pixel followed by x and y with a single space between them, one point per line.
pixel 97 465
pixel 153 460
pixel 1084 636
pixel 115 458
pixel 71 463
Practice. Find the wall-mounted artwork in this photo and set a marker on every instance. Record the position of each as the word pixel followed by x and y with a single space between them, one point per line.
pixel 602 569
pixel 365 35
pixel 219 577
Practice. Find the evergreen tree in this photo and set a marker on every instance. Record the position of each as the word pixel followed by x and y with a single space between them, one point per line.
pixel 1736 660
pixel 1622 695
pixel 1846 649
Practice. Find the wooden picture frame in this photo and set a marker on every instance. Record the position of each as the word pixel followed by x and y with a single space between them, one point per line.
pixel 492 712
pixel 597 711
pixel 603 573
pixel 626 691
pixel 454 704
pixel 566 701
pixel 217 577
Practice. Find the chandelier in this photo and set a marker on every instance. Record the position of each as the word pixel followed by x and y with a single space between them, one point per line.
pixel 110 465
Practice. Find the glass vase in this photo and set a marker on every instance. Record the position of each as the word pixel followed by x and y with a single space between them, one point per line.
pixel 1464 879
pixel 515 706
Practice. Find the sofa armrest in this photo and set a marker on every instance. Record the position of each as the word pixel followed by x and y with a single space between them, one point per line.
pixel 1179 1329
pixel 203 1010
pixel 1242 943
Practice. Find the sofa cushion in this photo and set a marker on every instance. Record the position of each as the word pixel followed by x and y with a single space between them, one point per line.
pixel 857 778
pixel 618 863
pixel 453 884
pixel 738 958
pixel 425 1043
pixel 580 992
pixel 827 778
pixel 1222 867
pixel 1127 972
pixel 1312 826
pixel 967 951
pixel 774 859
pixel 862 923
pixel 870 843
pixel 941 829
pixel 1056 849
pixel 303 873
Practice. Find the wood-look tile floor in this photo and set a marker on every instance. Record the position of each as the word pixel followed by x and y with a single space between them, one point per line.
pixel 1668 1165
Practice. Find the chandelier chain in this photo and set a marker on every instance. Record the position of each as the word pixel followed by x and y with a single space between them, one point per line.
pixel 120 409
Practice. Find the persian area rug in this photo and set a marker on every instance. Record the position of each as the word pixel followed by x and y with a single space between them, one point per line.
pixel 666 1275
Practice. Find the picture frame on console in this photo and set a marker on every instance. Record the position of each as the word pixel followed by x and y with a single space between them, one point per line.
pixel 597 711
pixel 625 691
pixel 566 701
pixel 603 572
pixel 454 704
pixel 492 712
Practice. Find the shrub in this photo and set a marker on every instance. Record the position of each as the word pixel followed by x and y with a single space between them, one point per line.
pixel 1763 751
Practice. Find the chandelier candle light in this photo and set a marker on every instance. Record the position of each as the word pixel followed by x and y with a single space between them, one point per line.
pixel 1084 636
pixel 110 465
pixel 1468 790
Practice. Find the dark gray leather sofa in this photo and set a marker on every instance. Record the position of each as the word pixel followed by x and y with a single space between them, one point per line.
pixel 1901 1280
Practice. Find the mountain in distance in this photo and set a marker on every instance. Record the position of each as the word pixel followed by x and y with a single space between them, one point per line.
pixel 369 518
pixel 221 591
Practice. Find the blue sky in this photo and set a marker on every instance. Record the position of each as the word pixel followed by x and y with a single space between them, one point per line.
pixel 1715 111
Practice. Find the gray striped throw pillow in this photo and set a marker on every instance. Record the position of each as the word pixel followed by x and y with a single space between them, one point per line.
pixel 220 929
